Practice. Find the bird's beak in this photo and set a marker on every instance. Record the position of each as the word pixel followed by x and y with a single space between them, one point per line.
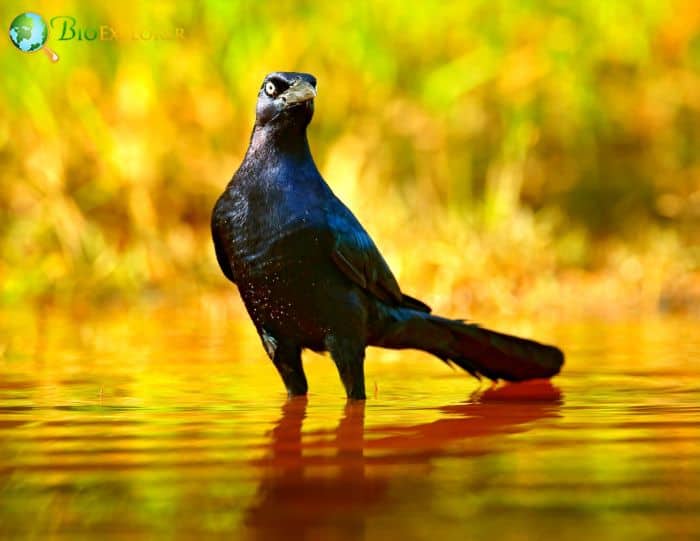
pixel 299 91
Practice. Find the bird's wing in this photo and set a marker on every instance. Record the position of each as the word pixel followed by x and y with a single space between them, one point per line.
pixel 356 255
pixel 221 256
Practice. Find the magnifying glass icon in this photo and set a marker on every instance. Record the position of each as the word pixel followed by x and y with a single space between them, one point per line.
pixel 28 32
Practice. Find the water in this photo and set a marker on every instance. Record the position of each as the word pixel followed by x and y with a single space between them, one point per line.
pixel 173 425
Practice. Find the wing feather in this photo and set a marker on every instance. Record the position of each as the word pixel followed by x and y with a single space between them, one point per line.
pixel 356 255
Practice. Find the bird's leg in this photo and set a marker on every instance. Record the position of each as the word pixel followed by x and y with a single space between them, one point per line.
pixel 287 359
pixel 349 357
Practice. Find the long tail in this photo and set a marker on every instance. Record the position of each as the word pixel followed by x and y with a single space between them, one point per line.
pixel 479 351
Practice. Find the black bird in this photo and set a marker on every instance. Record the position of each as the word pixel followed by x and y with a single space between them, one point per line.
pixel 311 277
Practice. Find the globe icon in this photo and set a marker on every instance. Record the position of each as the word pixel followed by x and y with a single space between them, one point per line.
pixel 28 32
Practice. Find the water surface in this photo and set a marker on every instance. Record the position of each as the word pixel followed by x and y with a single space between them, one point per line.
pixel 173 424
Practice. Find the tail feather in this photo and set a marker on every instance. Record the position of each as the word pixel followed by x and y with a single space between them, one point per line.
pixel 502 356
pixel 479 351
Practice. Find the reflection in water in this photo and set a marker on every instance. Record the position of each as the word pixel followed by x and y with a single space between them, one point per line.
pixel 319 482
pixel 308 494
pixel 136 427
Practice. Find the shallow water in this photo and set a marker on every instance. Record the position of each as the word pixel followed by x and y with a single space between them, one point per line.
pixel 172 424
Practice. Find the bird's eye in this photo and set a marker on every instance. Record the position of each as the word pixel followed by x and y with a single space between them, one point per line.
pixel 270 88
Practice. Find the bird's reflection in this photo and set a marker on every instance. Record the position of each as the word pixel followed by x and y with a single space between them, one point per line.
pixel 325 484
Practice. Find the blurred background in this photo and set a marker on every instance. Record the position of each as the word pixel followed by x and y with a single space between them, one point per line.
pixel 537 157
pixel 533 165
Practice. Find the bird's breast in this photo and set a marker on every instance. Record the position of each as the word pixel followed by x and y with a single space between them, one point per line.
pixel 267 233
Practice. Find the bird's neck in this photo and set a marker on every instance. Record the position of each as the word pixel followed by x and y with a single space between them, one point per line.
pixel 289 142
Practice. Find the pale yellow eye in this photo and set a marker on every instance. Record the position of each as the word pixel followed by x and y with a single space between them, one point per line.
pixel 270 88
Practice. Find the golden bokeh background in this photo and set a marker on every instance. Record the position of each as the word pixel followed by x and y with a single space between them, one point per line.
pixel 536 157
pixel 533 165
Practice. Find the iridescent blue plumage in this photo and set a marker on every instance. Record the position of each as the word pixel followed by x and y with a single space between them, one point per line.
pixel 310 275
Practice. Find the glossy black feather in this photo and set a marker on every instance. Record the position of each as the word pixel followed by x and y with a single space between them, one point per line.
pixel 311 276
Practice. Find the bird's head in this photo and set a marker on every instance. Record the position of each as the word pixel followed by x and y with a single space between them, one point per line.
pixel 286 99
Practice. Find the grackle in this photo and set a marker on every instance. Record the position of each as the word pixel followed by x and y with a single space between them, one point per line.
pixel 311 277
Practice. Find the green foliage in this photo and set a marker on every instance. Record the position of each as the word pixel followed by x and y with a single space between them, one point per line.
pixel 577 121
